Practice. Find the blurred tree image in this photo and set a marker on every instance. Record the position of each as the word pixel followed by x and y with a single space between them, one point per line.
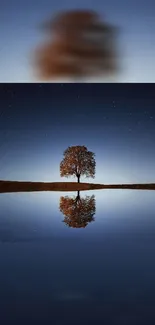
pixel 78 211
pixel 79 45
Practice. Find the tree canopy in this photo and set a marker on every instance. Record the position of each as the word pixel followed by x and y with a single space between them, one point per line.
pixel 79 45
pixel 78 211
pixel 78 161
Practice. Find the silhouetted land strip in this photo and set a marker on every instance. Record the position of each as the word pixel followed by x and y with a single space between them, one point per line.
pixel 15 186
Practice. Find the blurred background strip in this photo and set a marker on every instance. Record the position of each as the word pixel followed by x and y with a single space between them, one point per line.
pixel 99 41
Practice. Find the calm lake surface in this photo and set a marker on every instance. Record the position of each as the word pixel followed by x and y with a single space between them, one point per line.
pixel 97 267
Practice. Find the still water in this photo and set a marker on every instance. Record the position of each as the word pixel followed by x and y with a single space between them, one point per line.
pixel 77 259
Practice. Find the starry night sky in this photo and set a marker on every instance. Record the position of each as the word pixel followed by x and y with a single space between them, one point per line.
pixel 19 34
pixel 115 121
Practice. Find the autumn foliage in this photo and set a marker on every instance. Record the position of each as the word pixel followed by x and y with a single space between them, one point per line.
pixel 79 45
pixel 78 211
pixel 78 161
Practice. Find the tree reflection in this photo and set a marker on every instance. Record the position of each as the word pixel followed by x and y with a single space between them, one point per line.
pixel 78 211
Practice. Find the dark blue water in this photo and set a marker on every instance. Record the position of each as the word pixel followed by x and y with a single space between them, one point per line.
pixel 68 261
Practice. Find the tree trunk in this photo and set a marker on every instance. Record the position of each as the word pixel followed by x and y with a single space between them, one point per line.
pixel 78 195
pixel 78 177
pixel 78 199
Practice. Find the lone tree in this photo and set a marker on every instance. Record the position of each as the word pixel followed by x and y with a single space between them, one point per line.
pixel 78 161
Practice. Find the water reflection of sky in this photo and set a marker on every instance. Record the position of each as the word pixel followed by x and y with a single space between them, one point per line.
pixel 105 270
pixel 38 214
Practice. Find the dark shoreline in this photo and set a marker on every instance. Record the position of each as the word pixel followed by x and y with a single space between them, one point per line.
pixel 15 186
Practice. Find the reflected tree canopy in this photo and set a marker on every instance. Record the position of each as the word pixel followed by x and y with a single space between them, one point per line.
pixel 78 211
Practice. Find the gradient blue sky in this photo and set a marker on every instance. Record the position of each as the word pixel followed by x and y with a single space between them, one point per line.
pixel 19 35
pixel 115 121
